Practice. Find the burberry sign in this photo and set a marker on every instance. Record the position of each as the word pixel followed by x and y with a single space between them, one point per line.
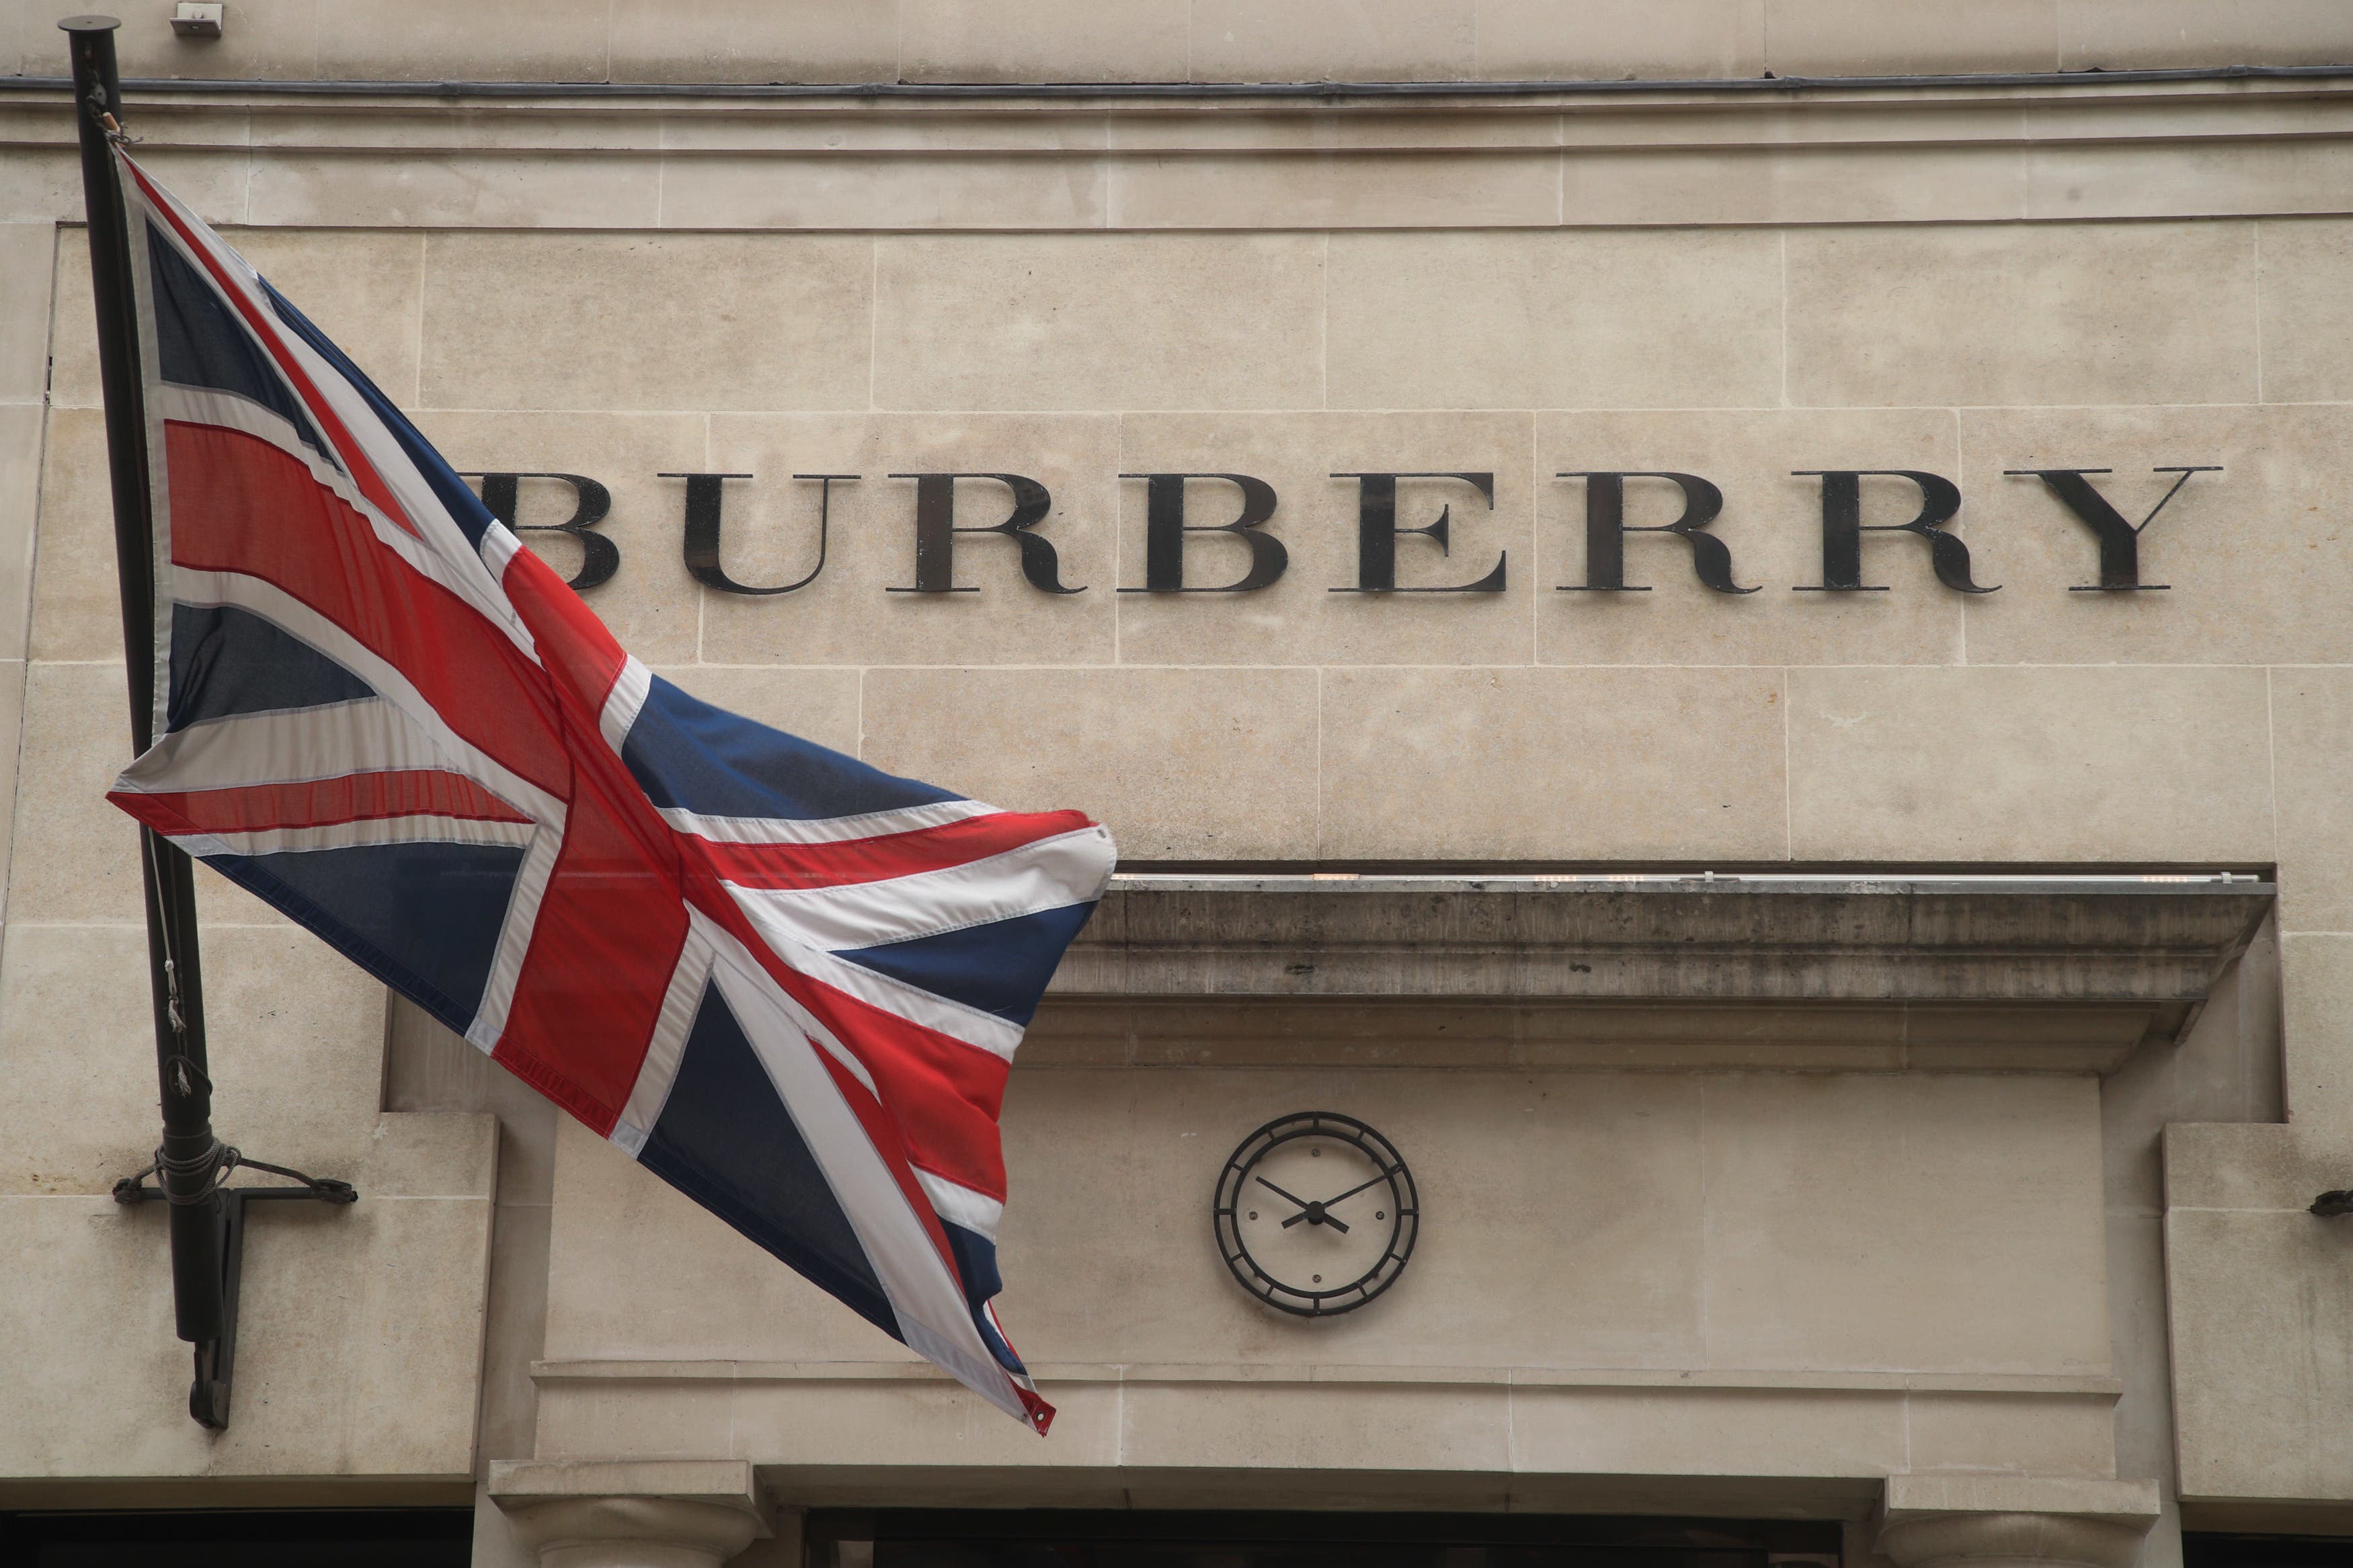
pixel 1011 508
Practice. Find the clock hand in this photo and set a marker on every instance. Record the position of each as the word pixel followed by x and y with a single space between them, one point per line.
pixel 1313 1212
pixel 1269 1186
pixel 1360 1186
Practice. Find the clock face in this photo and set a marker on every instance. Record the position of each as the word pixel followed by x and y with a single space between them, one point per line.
pixel 1317 1214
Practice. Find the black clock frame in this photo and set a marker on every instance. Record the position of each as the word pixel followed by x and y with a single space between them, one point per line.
pixel 1404 1230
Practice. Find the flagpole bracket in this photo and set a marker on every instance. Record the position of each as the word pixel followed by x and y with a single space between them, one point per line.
pixel 206 1216
pixel 216 1360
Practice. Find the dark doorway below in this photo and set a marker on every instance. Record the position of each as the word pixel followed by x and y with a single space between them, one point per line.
pixel 1047 1538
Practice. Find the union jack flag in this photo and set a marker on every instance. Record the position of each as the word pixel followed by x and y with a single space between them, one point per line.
pixel 787 983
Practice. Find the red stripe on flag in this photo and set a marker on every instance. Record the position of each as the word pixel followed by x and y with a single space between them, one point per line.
pixel 363 472
pixel 239 504
pixel 946 1093
pixel 613 921
pixel 849 861
pixel 609 931
pixel 572 644
pixel 160 812
pixel 323 802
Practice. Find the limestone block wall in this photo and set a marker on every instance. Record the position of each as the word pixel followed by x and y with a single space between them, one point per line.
pixel 1194 40
pixel 361 1328
pixel 1818 1276
pixel 2026 726
pixel 617 295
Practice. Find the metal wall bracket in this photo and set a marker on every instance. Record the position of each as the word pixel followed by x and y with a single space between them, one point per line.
pixel 208 1394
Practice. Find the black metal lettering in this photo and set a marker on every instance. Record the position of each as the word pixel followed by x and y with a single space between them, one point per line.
pixel 936 528
pixel 591 502
pixel 1844 528
pixel 2119 540
pixel 1606 529
pixel 1165 529
pixel 703 499
pixel 1378 531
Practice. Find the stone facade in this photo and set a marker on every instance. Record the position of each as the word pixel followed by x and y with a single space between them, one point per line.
pixel 1996 1256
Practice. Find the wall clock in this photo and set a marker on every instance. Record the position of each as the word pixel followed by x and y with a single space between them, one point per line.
pixel 1317 1214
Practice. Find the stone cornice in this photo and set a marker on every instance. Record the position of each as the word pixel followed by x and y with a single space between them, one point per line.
pixel 1541 157
pixel 1755 939
pixel 1700 1380
pixel 2141 951
pixel 673 1512
pixel 2224 82
pixel 1960 1522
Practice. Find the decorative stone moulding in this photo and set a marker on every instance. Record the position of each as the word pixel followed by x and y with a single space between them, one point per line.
pixel 630 1513
pixel 2088 147
pixel 2002 1540
pixel 2014 1522
pixel 2095 962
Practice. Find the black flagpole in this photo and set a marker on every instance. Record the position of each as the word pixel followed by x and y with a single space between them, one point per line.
pixel 189 1162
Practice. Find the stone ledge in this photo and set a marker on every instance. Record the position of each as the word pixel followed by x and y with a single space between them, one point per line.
pixel 1958 1521
pixel 643 1513
pixel 2113 1502
pixel 1173 117
pixel 1575 1033
pixel 1699 1379
pixel 727 1483
pixel 1324 1439
pixel 2155 943
pixel 1000 1486
pixel 2071 152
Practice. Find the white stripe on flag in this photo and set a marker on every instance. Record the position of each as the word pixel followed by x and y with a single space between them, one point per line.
pixel 956 1020
pixel 499 546
pixel 957 1204
pixel 158 461
pixel 630 690
pixel 515 937
pixel 925 1295
pixel 293 745
pixel 681 1002
pixel 369 833
pixel 235 410
pixel 824 829
pixel 300 621
pixel 1048 874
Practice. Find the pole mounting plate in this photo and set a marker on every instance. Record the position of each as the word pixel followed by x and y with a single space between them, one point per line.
pixel 216 1360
